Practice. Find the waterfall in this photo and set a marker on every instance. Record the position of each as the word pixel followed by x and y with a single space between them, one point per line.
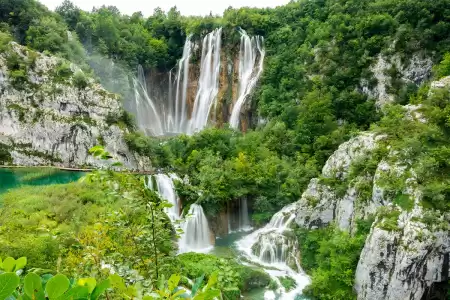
pixel 244 221
pixel 251 59
pixel 166 190
pixel 196 236
pixel 179 111
pixel 208 85
pixel 270 246
pixel 148 116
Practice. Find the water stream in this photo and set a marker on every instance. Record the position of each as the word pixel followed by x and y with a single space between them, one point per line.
pixel 272 247
pixel 208 84
pixel 251 59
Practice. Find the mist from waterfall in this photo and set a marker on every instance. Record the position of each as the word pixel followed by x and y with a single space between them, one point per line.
pixel 272 248
pixel 148 114
pixel 196 236
pixel 208 84
pixel 251 59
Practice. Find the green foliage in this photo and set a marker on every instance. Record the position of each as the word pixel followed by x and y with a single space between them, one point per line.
pixel 330 256
pixel 231 274
pixel 5 39
pixel 80 80
pixel 443 68
pixel 287 282
pixel 5 156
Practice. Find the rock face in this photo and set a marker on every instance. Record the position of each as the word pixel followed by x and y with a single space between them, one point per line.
pixel 409 259
pixel 322 204
pixel 416 70
pixel 47 119
pixel 403 264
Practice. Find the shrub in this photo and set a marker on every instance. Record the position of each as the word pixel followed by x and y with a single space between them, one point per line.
pixel 80 80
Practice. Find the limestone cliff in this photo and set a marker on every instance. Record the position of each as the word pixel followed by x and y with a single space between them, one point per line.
pixel 52 114
pixel 406 254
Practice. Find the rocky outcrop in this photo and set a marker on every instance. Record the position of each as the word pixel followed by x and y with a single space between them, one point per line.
pixel 416 70
pixel 406 254
pixel 322 203
pixel 50 117
pixel 403 263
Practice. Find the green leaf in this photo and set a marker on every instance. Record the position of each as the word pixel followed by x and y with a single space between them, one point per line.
pixel 212 280
pixel 207 295
pixel 100 289
pixel 8 264
pixel 178 293
pixel 173 282
pixel 20 263
pixel 32 284
pixel 197 284
pixel 76 293
pixel 57 286
pixel 8 284
pixel 117 282
pixel 90 283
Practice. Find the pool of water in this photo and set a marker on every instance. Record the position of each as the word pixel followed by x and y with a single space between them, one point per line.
pixel 12 178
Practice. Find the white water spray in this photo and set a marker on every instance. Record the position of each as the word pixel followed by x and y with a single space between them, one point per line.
pixel 146 111
pixel 270 247
pixel 166 190
pixel 208 85
pixel 179 113
pixel 251 59
pixel 196 236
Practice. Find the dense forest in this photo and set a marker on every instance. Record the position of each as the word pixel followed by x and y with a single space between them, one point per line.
pixel 319 89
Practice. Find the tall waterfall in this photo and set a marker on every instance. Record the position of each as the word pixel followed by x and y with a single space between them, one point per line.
pixel 251 59
pixel 166 189
pixel 179 114
pixel 148 115
pixel 196 236
pixel 208 85
pixel 271 247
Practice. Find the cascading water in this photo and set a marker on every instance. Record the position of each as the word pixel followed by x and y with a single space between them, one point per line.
pixel 271 247
pixel 148 115
pixel 208 85
pixel 166 189
pixel 178 113
pixel 244 222
pixel 196 236
pixel 251 59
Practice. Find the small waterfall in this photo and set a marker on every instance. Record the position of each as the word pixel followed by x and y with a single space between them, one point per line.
pixel 166 190
pixel 251 59
pixel 244 222
pixel 271 246
pixel 208 85
pixel 196 236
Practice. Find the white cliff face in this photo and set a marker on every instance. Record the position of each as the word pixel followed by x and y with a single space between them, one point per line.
pixel 398 262
pixel 402 264
pixel 414 71
pixel 320 204
pixel 52 122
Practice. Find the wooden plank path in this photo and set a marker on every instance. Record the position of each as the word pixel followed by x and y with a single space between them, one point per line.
pixel 74 169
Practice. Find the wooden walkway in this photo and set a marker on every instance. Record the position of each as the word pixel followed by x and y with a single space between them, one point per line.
pixel 73 169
